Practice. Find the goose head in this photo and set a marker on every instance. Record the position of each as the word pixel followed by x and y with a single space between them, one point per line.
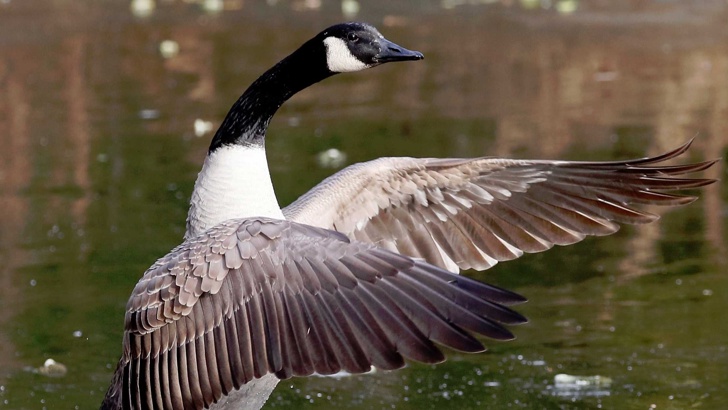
pixel 358 46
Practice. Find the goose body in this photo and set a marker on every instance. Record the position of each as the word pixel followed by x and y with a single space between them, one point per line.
pixel 361 270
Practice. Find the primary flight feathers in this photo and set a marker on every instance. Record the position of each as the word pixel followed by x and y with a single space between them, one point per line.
pixel 257 296
pixel 472 213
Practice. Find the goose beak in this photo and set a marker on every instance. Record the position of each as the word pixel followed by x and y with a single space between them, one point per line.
pixel 390 52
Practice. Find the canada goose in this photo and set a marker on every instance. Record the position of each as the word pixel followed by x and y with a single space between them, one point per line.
pixel 255 293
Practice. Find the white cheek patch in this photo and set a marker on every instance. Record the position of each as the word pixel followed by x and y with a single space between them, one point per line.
pixel 338 57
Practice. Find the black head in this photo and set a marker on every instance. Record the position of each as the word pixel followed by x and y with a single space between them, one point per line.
pixel 357 46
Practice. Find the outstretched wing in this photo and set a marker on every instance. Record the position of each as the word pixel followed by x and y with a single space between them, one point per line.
pixel 259 296
pixel 472 213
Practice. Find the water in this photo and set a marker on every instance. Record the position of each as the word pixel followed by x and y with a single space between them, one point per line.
pixel 99 153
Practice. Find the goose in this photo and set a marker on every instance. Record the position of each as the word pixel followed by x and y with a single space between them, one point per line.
pixel 362 270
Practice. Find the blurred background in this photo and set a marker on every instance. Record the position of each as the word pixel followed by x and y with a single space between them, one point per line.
pixel 107 109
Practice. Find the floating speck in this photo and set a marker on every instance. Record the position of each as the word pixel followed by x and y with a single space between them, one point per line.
pixel 148 114
pixel 212 6
pixel 350 8
pixel 142 8
pixel 566 6
pixel 567 385
pixel 605 76
pixel 343 374
pixel 312 4
pixel 52 368
pixel 331 158
pixel 168 48
pixel 202 127
pixel 77 333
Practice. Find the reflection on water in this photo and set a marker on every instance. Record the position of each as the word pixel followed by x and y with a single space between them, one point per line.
pixel 104 113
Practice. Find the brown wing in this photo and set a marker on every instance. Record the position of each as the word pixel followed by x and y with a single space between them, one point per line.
pixel 260 296
pixel 472 213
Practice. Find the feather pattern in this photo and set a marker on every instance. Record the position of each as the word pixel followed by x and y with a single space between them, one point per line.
pixel 253 297
pixel 472 213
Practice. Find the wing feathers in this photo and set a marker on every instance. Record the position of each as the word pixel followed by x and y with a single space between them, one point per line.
pixel 292 301
pixel 176 396
pixel 235 362
pixel 379 350
pixel 324 361
pixel 396 326
pixel 244 346
pixel 257 337
pixel 184 375
pixel 193 375
pixel 222 358
pixel 472 213
pixel 299 354
pixel 272 328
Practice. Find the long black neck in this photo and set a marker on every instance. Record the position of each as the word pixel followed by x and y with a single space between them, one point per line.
pixel 248 119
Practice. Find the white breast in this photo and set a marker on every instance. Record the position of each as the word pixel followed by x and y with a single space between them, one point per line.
pixel 234 183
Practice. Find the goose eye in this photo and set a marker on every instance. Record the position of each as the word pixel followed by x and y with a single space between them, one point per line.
pixel 352 37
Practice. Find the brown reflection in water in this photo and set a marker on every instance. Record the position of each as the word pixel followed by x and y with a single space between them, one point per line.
pixel 15 173
pixel 196 58
pixel 42 163
pixel 557 83
pixel 715 221
pixel 714 146
pixel 78 147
